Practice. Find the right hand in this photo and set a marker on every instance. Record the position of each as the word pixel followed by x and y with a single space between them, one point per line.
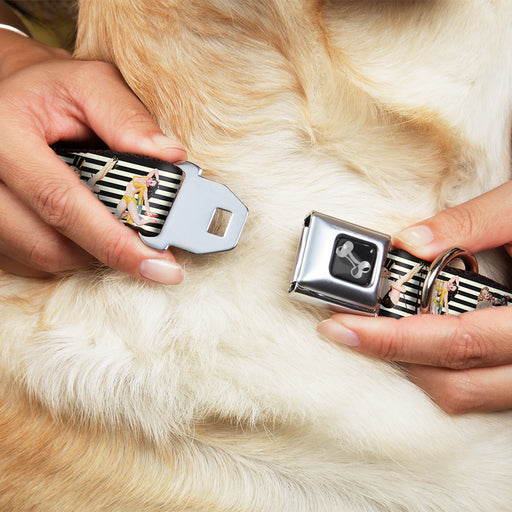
pixel 464 362
pixel 51 222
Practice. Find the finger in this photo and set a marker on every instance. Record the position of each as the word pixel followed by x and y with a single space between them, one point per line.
pixel 463 391
pixel 47 185
pixel 473 339
pixel 67 100
pixel 57 196
pixel 25 239
pixel 18 53
pixel 14 267
pixel 117 116
pixel 475 225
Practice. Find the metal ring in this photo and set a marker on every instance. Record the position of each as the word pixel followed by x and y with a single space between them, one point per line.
pixel 437 266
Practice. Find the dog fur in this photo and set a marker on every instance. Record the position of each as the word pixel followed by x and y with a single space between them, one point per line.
pixel 217 394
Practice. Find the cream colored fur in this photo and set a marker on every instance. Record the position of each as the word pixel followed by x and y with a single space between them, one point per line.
pixel 218 395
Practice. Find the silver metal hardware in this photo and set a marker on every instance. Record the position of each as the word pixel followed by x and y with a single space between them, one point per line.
pixel 339 265
pixel 188 221
pixel 435 269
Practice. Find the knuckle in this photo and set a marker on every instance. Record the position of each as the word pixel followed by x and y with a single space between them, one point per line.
pixel 43 257
pixel 60 53
pixel 460 394
pixel 389 347
pixel 461 220
pixel 465 348
pixel 115 251
pixel 80 85
pixel 52 202
pixel 98 68
pixel 130 122
pixel 134 116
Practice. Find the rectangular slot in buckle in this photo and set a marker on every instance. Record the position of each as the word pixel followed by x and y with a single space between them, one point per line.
pixel 189 222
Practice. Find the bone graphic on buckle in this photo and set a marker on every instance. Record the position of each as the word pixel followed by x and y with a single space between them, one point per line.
pixel 358 267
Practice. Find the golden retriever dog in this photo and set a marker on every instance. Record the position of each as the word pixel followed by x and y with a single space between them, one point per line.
pixel 218 394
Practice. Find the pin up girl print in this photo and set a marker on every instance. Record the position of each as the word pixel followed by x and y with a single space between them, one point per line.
pixel 485 298
pixel 137 194
pixel 396 287
pixel 93 180
pixel 444 292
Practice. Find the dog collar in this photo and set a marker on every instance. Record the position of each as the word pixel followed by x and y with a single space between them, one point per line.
pixel 351 269
pixel 168 204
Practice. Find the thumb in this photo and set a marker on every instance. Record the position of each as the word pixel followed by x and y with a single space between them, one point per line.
pixel 119 118
pixel 476 225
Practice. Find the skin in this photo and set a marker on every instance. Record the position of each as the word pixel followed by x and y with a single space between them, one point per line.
pixel 463 362
pixel 46 97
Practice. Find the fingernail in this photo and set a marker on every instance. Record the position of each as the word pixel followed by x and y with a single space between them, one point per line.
pixel 161 271
pixel 165 143
pixel 416 236
pixel 338 333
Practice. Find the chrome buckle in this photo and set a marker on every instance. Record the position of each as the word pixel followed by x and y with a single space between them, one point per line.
pixel 339 265
pixel 189 219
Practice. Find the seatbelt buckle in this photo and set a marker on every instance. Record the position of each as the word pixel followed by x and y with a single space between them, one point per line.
pixel 339 265
pixel 197 202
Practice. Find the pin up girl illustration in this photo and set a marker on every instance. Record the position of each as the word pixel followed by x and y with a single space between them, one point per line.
pixel 396 288
pixel 444 292
pixel 485 298
pixel 93 180
pixel 136 195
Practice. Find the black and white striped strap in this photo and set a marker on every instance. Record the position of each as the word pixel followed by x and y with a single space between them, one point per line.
pixel 453 291
pixel 168 204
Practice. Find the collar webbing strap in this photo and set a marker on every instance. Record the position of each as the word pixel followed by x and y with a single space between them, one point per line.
pixel 454 290
pixel 124 186
pixel 168 204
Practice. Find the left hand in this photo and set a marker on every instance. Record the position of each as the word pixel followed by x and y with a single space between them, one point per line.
pixel 463 362
pixel 59 226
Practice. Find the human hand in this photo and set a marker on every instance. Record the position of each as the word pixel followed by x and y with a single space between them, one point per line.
pixel 51 222
pixel 463 362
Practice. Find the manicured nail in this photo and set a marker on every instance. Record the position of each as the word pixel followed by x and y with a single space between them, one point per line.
pixel 161 271
pixel 416 236
pixel 165 143
pixel 338 333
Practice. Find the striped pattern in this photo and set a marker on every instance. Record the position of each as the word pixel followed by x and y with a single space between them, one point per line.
pixel 466 298
pixel 409 301
pixel 112 187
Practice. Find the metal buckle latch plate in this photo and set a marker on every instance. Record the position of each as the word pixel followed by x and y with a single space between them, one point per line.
pixel 188 221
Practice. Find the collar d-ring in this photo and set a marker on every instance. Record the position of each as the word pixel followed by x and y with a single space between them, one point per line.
pixel 436 268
